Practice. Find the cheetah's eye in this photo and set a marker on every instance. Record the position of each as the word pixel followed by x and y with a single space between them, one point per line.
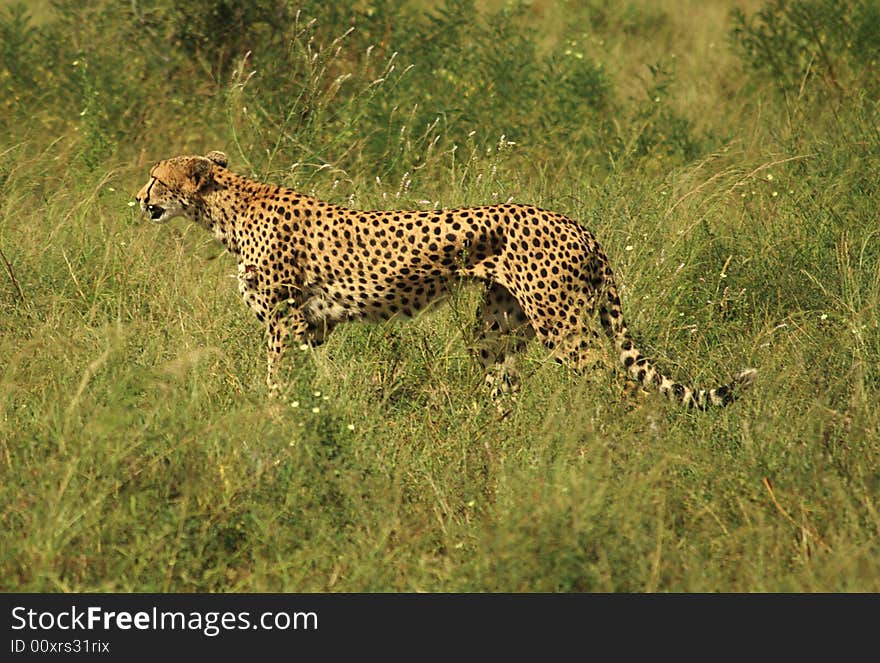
pixel 155 211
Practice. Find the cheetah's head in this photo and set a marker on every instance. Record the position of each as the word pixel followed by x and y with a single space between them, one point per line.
pixel 177 185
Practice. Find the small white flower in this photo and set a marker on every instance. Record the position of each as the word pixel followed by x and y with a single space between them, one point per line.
pixel 350 427
pixel 315 410
pixel 824 316
pixel 294 404
pixel 317 394
pixel 304 347
pixel 769 177
pixel 628 247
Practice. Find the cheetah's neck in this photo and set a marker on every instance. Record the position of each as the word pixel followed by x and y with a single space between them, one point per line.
pixel 225 208
pixel 236 205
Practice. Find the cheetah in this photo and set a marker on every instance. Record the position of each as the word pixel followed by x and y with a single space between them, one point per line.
pixel 305 265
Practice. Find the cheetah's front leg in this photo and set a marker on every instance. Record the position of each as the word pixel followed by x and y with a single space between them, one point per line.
pixel 281 325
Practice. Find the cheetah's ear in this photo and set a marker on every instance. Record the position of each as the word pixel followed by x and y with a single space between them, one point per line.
pixel 217 157
pixel 199 172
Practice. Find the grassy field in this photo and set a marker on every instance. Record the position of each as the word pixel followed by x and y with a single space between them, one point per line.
pixel 728 161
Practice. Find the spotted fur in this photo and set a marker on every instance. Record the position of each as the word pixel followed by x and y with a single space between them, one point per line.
pixel 305 265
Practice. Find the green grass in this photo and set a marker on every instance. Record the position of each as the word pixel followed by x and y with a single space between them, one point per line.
pixel 138 451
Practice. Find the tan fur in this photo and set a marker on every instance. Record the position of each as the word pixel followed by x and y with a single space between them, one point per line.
pixel 305 265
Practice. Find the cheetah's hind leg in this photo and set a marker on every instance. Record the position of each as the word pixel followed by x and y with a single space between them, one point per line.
pixel 502 329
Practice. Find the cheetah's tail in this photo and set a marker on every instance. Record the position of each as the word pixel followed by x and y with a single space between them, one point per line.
pixel 647 375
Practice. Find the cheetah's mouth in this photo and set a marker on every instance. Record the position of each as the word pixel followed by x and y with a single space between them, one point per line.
pixel 155 212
